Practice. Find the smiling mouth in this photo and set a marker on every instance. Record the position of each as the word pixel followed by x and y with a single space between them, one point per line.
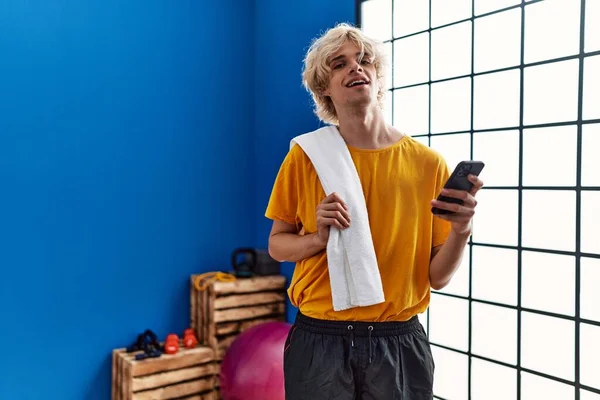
pixel 359 82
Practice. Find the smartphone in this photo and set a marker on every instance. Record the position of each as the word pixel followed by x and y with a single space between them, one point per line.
pixel 459 181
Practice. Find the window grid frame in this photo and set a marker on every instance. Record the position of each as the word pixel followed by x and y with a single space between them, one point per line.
pixel 578 189
pixel 513 127
pixel 493 71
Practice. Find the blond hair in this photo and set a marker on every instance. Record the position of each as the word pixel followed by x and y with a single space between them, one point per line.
pixel 315 74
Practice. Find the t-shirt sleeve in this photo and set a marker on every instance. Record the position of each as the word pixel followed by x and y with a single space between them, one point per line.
pixel 441 227
pixel 283 203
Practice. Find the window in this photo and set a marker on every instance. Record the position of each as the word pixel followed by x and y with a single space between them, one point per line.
pixel 513 83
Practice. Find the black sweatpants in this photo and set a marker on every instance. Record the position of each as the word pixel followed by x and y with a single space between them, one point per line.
pixel 335 360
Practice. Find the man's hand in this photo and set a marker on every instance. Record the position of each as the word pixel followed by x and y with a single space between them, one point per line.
pixel 462 214
pixel 331 211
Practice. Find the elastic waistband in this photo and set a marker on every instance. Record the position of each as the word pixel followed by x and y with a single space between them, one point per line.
pixel 358 328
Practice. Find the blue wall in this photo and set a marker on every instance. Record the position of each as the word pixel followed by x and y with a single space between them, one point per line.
pixel 283 108
pixel 118 119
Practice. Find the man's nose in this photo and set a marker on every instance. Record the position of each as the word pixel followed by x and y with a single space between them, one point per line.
pixel 355 67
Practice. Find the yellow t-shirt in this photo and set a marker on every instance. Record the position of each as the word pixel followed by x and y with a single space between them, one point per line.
pixel 398 182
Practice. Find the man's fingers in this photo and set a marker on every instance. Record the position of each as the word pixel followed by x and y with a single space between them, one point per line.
pixel 477 184
pixel 467 198
pixel 458 217
pixel 458 209
pixel 334 197
pixel 335 207
pixel 333 211
pixel 330 221
pixel 336 215
pixel 455 208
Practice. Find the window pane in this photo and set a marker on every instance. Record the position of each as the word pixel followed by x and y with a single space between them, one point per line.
pixel 449 321
pixel 586 395
pixel 451 51
pixel 543 226
pixel 387 48
pixel 459 284
pixel 591 83
pixel 451 374
pixel 451 106
pixel 388 107
pixel 410 16
pixel 376 18
pixel 444 12
pixel 411 60
pixel 550 156
pixel 592 27
pixel 590 160
pixel 496 218
pixel 590 220
pixel 454 148
pixel 548 282
pixel 548 346
pixel 498 40
pixel 590 355
pixel 590 295
pixel 548 99
pixel 500 152
pixel 545 38
pixel 411 110
pixel 534 387
pixel 495 332
pixel 495 275
pixel 485 6
pixel 492 382
pixel 497 100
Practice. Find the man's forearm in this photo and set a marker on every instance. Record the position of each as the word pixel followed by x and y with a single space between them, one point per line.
pixel 292 247
pixel 447 260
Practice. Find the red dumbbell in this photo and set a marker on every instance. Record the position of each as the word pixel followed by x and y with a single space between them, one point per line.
pixel 172 344
pixel 189 339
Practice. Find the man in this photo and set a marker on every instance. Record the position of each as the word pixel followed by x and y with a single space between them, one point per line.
pixel 379 351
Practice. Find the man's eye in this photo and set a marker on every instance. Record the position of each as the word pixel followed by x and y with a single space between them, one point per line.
pixel 338 66
pixel 365 61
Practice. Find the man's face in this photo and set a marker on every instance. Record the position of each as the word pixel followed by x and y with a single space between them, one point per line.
pixel 352 81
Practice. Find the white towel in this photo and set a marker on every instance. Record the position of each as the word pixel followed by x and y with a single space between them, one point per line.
pixel 353 270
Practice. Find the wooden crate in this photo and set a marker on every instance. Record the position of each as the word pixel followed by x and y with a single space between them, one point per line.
pixel 191 374
pixel 225 309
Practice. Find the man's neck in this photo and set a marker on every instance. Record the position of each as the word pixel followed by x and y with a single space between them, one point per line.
pixel 367 129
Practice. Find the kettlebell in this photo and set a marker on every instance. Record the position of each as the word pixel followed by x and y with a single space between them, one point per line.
pixel 255 262
pixel 243 266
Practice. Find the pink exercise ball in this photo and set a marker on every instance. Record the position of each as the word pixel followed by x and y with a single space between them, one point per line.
pixel 252 367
